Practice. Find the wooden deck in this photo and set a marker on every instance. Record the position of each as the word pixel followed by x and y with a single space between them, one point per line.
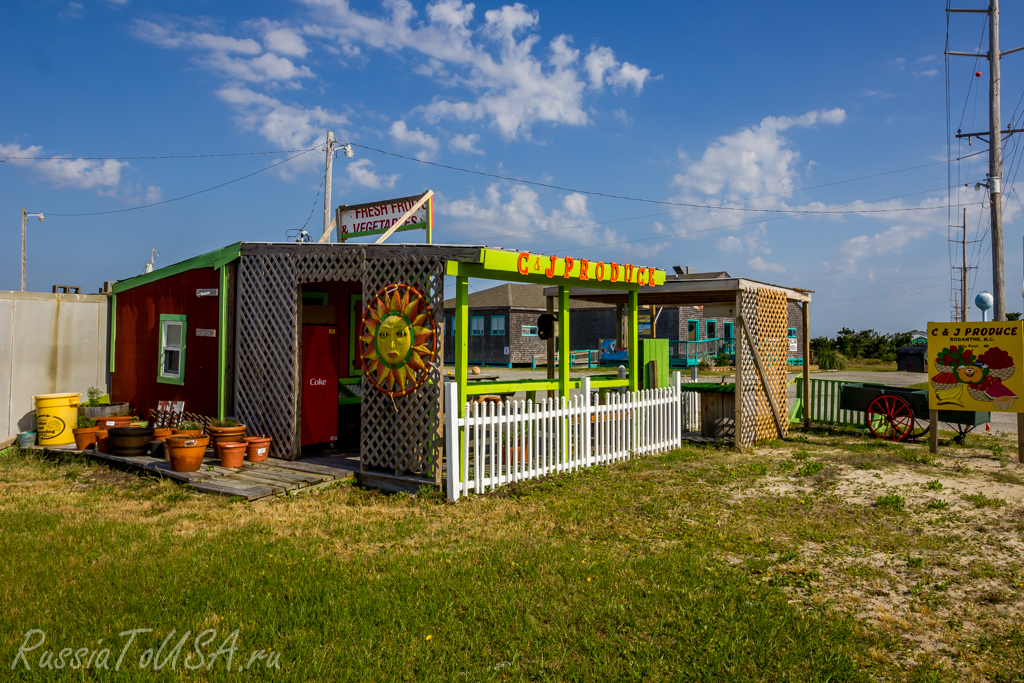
pixel 252 481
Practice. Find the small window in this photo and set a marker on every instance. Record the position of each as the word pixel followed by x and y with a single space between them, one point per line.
pixel 172 349
pixel 712 329
pixel 728 330
pixel 451 325
pixel 529 330
pixel 497 326
pixel 792 332
pixel 476 325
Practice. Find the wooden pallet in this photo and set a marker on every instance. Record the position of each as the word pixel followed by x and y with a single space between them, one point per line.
pixel 251 481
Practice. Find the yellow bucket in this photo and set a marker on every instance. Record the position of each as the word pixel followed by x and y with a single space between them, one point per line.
pixel 56 416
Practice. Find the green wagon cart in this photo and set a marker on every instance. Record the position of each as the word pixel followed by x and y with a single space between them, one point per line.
pixel 897 413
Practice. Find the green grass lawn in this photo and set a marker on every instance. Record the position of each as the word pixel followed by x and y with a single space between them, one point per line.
pixel 651 570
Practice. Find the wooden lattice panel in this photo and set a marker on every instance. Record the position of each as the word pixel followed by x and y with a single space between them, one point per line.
pixel 402 434
pixel 267 337
pixel 766 313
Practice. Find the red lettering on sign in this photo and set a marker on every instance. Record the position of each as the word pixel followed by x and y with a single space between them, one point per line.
pixel 599 270
pixel 627 273
pixel 568 265
pixel 650 276
pixel 523 264
pixel 615 272
pixel 641 276
pixel 550 272
pixel 584 264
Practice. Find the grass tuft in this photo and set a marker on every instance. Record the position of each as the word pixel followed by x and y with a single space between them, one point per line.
pixel 893 502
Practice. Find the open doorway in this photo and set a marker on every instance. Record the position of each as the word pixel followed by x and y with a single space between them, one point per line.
pixel 330 368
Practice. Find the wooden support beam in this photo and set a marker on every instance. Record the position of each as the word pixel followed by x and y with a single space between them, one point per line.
pixel 764 376
pixel 461 339
pixel 807 365
pixel 632 302
pixel 933 433
pixel 401 221
pixel 738 333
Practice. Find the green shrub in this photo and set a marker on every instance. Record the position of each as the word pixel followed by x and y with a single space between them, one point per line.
pixel 893 501
pixel 830 359
pixel 934 485
pixel 810 469
pixel 937 505
pixel 85 422
pixel 980 500
pixel 221 424
pixel 189 426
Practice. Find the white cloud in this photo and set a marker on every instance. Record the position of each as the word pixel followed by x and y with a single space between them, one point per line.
pixel 73 11
pixel 239 58
pixel 465 143
pixel 926 58
pixel 153 194
pixel 927 72
pixel 730 244
pixel 287 126
pixel 602 67
pixel 401 134
pixel 622 117
pixel 755 161
pixel 888 242
pixel 517 212
pixel 511 87
pixel 360 173
pixel 67 172
pixel 758 263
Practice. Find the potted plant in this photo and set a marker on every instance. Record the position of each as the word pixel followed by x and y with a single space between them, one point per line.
pixel 224 430
pixel 98 405
pixel 186 451
pixel 258 448
pixel 232 453
pixel 188 429
pixel 85 433
pixel 129 441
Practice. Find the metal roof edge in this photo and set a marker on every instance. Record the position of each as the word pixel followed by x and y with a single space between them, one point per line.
pixel 216 259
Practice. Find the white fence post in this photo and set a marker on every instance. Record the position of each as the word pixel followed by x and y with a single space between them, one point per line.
pixel 585 421
pixel 451 439
pixel 677 384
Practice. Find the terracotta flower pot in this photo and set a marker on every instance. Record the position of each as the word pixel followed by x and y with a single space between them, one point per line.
pixel 102 441
pixel 218 434
pixel 85 437
pixel 186 452
pixel 258 448
pixel 114 421
pixel 161 433
pixel 129 441
pixel 232 453
pixel 186 432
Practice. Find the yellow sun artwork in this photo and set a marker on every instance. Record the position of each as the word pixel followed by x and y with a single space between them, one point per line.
pixel 398 339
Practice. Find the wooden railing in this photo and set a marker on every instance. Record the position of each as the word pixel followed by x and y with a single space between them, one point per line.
pixel 824 404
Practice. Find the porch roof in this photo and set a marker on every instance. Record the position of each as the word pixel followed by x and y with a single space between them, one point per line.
pixel 684 292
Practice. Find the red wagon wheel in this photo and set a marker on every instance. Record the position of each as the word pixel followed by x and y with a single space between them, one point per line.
pixel 890 418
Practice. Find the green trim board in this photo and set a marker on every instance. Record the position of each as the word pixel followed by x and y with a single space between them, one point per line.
pixel 352 337
pixel 510 266
pixel 180 379
pixel 222 342
pixel 633 345
pixel 214 259
pixel 321 298
pixel 346 396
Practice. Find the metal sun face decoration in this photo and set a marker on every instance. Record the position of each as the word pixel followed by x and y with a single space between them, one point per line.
pixel 399 339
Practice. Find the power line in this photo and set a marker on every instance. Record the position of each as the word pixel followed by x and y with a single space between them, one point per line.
pixel 869 296
pixel 184 196
pixel 691 205
pixel 175 156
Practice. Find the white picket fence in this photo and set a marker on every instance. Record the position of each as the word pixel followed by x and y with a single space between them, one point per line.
pixel 497 444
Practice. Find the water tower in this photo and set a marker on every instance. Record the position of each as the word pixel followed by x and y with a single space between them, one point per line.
pixel 984 301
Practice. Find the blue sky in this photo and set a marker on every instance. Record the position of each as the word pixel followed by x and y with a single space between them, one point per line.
pixel 757 106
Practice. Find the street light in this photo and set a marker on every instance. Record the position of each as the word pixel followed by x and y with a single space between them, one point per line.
pixel 24 217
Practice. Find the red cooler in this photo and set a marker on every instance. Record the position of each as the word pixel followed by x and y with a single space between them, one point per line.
pixel 320 384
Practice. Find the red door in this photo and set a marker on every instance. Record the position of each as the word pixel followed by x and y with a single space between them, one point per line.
pixel 319 384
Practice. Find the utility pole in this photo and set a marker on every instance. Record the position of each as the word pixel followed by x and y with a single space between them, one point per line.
pixel 327 184
pixel 995 140
pixel 964 269
pixel 24 219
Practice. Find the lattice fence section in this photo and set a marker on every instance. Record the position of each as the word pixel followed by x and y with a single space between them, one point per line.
pixel 403 434
pixel 267 339
pixel 766 313
pixel 266 348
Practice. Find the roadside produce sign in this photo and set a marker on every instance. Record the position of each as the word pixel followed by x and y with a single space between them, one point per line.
pixel 973 366
pixel 376 218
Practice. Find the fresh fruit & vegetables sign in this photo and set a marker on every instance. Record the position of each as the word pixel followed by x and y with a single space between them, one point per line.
pixel 973 366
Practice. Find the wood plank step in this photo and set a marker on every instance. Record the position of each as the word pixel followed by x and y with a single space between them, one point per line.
pixel 268 475
pixel 223 488
pixel 296 476
pixel 254 481
pixel 301 466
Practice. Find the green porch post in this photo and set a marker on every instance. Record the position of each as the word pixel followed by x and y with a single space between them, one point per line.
pixel 461 337
pixel 632 302
pixel 222 342
pixel 564 362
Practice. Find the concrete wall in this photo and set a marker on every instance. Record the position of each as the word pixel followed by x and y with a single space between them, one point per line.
pixel 49 343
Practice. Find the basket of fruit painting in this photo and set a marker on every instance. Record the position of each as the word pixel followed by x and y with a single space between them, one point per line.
pixel 999 362
pixel 992 389
pixel 953 357
pixel 947 387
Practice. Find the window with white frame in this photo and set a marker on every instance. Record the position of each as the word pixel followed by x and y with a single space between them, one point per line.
pixel 497 326
pixel 172 349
